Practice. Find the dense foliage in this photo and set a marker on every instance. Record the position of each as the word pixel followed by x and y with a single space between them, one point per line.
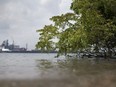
pixel 92 27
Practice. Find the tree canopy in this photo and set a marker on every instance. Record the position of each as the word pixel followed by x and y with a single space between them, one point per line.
pixel 92 24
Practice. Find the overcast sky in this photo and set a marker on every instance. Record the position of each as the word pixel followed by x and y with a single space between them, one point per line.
pixel 19 19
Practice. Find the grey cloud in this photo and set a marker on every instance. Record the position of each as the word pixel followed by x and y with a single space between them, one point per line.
pixel 4 1
pixel 53 6
pixel 4 25
pixel 19 19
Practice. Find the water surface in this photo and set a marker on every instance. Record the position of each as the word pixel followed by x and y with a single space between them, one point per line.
pixel 43 70
pixel 21 65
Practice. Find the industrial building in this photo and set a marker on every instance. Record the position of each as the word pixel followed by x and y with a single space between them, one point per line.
pixel 5 46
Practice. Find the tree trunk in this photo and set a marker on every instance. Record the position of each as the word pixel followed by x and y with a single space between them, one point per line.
pixel 109 53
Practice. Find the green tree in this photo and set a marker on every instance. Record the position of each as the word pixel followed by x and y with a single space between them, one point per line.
pixel 98 20
pixel 93 24
pixel 47 34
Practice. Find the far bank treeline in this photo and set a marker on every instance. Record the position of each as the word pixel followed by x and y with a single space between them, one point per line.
pixel 92 26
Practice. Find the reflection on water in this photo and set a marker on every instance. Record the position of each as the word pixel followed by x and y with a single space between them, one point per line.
pixel 21 66
pixel 86 66
pixel 43 70
pixel 80 66
pixel 45 64
pixel 81 73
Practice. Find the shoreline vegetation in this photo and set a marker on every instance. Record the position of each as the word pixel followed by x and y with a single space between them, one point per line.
pixel 90 32
pixel 90 28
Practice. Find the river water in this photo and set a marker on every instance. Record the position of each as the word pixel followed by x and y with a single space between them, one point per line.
pixel 44 70
pixel 22 65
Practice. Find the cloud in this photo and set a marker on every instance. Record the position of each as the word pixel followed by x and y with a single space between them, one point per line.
pixel 64 6
pixel 19 19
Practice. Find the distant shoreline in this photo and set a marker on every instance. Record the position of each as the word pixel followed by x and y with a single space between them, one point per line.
pixel 25 52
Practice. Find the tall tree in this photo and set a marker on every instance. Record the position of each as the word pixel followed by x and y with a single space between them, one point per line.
pixel 98 19
pixel 93 24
